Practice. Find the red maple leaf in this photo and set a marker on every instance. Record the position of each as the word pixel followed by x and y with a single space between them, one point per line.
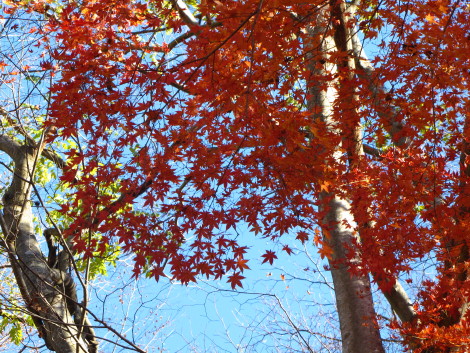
pixel 242 264
pixel 269 256
pixel 235 280
pixel 287 249
pixel 302 236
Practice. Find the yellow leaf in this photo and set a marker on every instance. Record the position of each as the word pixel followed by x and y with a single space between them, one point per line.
pixel 430 18
pixel 324 186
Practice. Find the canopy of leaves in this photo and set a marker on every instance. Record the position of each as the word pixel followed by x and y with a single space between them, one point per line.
pixel 201 124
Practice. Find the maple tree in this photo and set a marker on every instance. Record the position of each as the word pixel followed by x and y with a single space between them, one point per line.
pixel 267 114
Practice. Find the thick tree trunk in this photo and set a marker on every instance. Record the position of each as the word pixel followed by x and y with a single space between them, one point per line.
pixel 357 316
pixel 38 282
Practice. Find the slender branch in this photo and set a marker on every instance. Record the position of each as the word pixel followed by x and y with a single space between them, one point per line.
pixel 180 39
pixel 129 342
pixel 180 87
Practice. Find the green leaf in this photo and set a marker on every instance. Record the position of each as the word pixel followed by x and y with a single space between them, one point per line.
pixel 16 334
pixel 34 79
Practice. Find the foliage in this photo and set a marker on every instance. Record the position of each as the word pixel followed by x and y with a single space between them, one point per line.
pixel 189 126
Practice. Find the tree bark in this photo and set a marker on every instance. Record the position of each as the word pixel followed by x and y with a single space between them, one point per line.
pixel 38 282
pixel 357 316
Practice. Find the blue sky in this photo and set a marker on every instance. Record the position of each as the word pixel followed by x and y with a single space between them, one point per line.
pixel 210 317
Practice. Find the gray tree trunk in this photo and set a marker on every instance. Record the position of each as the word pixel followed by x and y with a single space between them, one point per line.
pixel 38 283
pixel 357 316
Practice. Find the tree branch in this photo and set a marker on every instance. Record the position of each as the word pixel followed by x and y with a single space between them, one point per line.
pixel 371 150
pixel 366 71
pixel 400 302
pixel 47 153
pixel 184 12
pixel 9 146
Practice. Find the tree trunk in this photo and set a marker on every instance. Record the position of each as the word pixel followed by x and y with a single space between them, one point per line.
pixel 357 316
pixel 40 285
